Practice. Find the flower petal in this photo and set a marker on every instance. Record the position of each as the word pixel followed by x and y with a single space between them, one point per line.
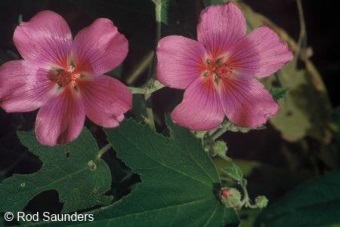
pixel 45 39
pixel 23 87
pixel 99 47
pixel 220 26
pixel 246 102
pixel 180 61
pixel 106 100
pixel 260 53
pixel 201 108
pixel 61 119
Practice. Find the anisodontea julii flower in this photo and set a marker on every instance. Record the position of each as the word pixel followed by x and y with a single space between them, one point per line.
pixel 219 71
pixel 65 77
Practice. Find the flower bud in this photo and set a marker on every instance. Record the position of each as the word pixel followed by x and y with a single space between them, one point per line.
pixel 261 201
pixel 220 148
pixel 231 198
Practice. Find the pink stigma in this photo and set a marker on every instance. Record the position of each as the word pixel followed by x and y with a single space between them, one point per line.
pixel 60 76
pixel 217 70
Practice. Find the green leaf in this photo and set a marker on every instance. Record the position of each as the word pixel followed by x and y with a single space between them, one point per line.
pixel 214 2
pixel 306 205
pixel 180 185
pixel 73 170
pixel 278 92
pixel 234 172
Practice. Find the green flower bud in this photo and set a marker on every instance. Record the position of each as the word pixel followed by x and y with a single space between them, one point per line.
pixel 261 201
pixel 220 148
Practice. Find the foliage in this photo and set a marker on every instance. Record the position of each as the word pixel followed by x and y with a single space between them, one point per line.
pixel 306 205
pixel 73 170
pixel 180 185
pixel 278 93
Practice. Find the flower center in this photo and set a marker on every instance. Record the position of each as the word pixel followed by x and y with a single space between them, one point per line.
pixel 61 77
pixel 223 71
pixel 218 70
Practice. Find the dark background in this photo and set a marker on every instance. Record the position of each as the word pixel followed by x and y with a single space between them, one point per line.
pixel 323 29
pixel 322 36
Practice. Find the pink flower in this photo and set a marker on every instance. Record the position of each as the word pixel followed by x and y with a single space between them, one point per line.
pixel 64 77
pixel 219 71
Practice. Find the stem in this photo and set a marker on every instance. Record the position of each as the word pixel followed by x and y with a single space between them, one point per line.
pixel 158 11
pixel 103 150
pixel 246 200
pixel 20 19
pixel 148 90
pixel 158 17
pixel 150 120
pixel 303 33
pixel 155 86
pixel 137 90
pixel 225 158
pixel 227 179
pixel 140 67
pixel 219 132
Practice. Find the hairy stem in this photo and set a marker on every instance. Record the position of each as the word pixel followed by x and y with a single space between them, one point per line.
pixel 246 200
pixel 219 132
pixel 103 150
pixel 137 90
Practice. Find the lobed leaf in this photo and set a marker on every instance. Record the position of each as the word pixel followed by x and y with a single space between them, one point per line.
pixel 73 170
pixel 180 185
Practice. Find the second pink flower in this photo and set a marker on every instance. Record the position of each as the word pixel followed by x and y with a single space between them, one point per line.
pixel 219 71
